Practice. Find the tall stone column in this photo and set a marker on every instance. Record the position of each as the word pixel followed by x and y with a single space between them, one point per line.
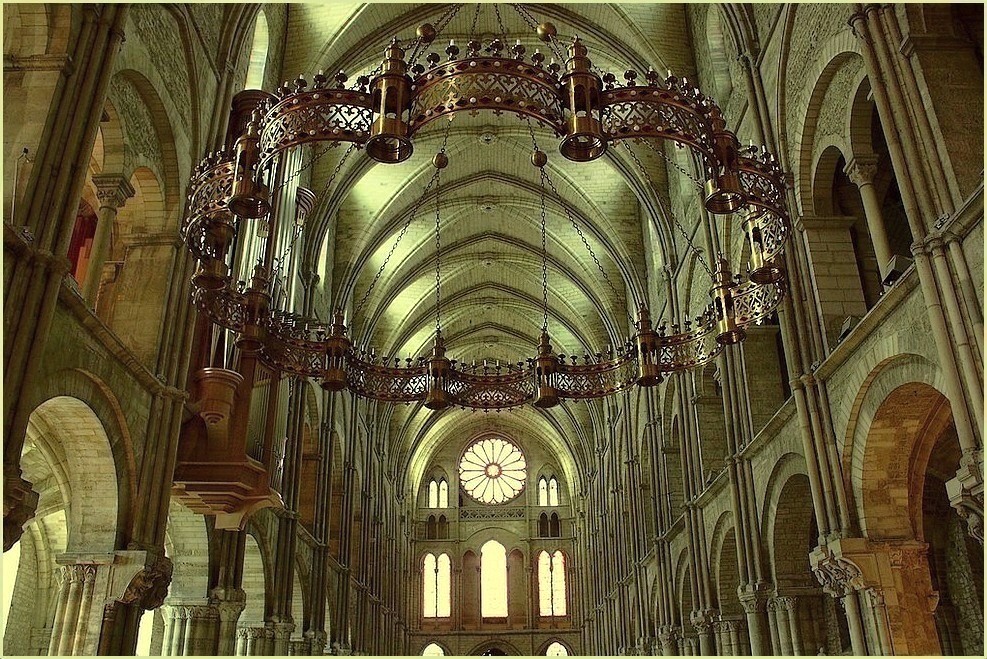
pixel 229 606
pixel 755 608
pixel 861 171
pixel 71 578
pixel 113 191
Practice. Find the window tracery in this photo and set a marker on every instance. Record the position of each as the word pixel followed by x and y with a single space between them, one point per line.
pixel 493 470
pixel 551 584
pixel 437 586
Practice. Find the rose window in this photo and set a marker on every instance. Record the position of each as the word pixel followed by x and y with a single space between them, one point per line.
pixel 493 470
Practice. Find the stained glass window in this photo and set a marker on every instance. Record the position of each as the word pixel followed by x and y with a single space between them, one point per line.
pixel 437 586
pixel 493 580
pixel 551 584
pixel 433 650
pixel 438 493
pixel 493 470
pixel 553 492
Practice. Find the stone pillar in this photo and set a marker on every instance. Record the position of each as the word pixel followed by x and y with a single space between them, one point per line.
pixel 781 625
pixel 190 629
pixel 703 624
pixel 790 605
pixel 229 607
pixel 861 170
pixel 757 622
pixel 776 639
pixel 113 191
pixel 280 636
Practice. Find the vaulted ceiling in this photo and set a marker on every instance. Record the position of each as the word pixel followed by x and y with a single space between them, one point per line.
pixel 489 207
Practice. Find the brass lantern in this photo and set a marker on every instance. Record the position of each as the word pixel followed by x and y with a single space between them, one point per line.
pixel 584 139
pixel 648 374
pixel 722 192
pixel 391 89
pixel 337 345
pixel 546 375
pixel 725 313
pixel 256 310
pixel 439 368
pixel 249 198
pixel 762 269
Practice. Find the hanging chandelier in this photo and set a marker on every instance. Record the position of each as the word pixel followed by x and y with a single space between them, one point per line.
pixel 234 201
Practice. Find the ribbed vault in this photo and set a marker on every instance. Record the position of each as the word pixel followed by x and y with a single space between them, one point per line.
pixel 490 210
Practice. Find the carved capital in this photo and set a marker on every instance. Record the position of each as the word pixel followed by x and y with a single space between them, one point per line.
pixel 787 603
pixel 19 504
pixel 966 493
pixel 861 170
pixel 837 575
pixel 149 587
pixel 112 190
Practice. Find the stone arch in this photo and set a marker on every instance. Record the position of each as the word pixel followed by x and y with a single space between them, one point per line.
pixel 823 178
pixel 441 646
pixel 724 565
pixel 899 438
pixel 909 450
pixel 35 588
pixel 110 141
pixel 832 55
pixel 862 111
pixel 543 649
pixel 877 383
pixel 501 645
pixel 187 544
pixel 683 588
pixel 148 130
pixel 255 583
pixel 719 53
pixel 92 393
pixel 31 31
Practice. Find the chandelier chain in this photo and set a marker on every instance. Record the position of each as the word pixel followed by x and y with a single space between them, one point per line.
pixel 553 42
pixel 668 210
pixel 438 249
pixel 440 25
pixel 304 167
pixel 544 253
pixel 500 23
pixel 318 200
pixel 397 241
pixel 404 229
pixel 664 156
pixel 476 17
pixel 582 236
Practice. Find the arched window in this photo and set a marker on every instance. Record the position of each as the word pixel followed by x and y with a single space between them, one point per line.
pixel 437 586
pixel 430 530
pixel 551 584
pixel 433 650
pixel 258 54
pixel 554 526
pixel 443 494
pixel 492 470
pixel 433 494
pixel 493 580
pixel 553 492
pixel 542 491
pixel 556 649
pixel 443 528
pixel 543 530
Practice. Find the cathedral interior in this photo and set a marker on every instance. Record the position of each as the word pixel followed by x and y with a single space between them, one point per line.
pixel 493 329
